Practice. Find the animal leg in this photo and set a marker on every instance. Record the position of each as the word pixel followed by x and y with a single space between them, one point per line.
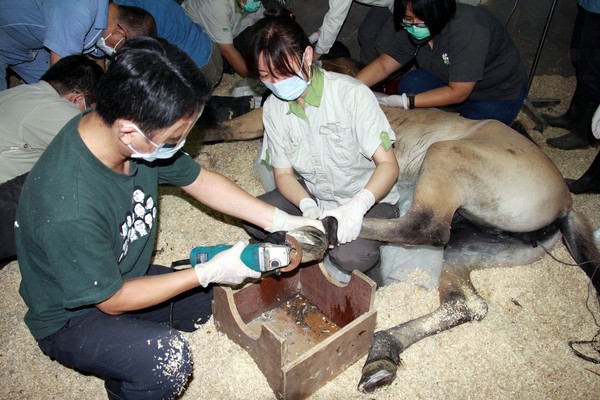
pixel 459 303
pixel 422 226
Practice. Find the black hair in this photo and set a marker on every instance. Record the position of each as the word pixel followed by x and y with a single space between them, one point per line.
pixel 152 83
pixel 280 40
pixel 136 21
pixel 74 74
pixel 435 13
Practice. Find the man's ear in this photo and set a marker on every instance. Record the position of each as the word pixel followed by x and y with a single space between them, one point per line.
pixel 78 99
pixel 120 32
pixel 126 131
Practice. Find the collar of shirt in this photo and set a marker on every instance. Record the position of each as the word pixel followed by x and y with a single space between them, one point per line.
pixel 313 96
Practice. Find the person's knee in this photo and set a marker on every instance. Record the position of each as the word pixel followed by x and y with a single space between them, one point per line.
pixel 350 261
pixel 167 374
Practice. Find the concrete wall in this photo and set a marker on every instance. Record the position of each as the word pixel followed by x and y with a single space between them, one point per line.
pixel 525 25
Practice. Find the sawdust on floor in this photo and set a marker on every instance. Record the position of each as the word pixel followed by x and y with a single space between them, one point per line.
pixel 518 351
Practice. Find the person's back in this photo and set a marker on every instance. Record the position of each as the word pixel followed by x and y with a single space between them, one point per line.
pixel 33 114
pixel 31 117
pixel 228 23
pixel 35 34
pixel 173 24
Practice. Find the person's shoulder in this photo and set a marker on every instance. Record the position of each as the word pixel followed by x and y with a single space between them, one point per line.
pixel 272 102
pixel 41 91
pixel 471 13
pixel 343 81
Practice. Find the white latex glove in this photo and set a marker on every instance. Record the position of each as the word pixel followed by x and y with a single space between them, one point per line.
pixel 350 215
pixel 395 100
pixel 283 221
pixel 226 267
pixel 596 123
pixel 313 38
pixel 309 208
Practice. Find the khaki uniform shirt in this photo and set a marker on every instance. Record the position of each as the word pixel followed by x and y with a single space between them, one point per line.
pixel 31 116
pixel 221 19
pixel 331 141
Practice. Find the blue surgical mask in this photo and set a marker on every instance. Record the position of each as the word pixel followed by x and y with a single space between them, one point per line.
pixel 161 151
pixel 251 6
pixel 109 51
pixel 290 88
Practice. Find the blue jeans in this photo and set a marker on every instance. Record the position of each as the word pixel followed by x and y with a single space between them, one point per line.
pixel 420 80
pixel 148 358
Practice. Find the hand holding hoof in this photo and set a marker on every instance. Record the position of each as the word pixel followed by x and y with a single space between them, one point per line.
pixel 382 363
pixel 331 227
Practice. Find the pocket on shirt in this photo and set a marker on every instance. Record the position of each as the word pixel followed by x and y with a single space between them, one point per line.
pixel 340 144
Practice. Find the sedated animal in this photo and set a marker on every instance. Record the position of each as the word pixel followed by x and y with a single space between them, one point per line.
pixel 481 190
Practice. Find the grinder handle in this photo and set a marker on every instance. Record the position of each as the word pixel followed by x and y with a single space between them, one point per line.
pixel 250 254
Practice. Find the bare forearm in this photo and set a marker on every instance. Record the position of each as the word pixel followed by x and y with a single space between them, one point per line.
pixel 148 291
pixel 221 194
pixel 383 179
pixel 378 70
pixel 235 59
pixel 385 175
pixel 290 188
pixel 444 96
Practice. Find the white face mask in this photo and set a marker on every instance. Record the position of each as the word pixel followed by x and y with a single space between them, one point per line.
pixel 109 51
pixel 290 88
pixel 161 151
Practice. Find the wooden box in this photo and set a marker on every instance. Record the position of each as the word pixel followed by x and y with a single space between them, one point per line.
pixel 300 328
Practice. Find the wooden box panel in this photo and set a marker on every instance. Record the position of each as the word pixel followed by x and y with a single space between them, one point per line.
pixel 292 376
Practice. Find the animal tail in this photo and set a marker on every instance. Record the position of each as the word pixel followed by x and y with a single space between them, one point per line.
pixel 579 239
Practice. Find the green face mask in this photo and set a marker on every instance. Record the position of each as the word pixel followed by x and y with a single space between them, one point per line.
pixel 251 6
pixel 418 33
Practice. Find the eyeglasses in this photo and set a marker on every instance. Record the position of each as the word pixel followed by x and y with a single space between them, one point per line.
pixel 407 24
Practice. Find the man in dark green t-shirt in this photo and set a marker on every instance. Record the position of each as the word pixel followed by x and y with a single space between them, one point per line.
pixel 86 225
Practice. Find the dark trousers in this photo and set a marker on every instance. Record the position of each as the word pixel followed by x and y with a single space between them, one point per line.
pixel 585 54
pixel 375 33
pixel 420 80
pixel 10 191
pixel 141 350
pixel 360 254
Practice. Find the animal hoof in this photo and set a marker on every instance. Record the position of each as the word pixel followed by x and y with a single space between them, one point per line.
pixel 377 374
pixel 313 243
pixel 382 362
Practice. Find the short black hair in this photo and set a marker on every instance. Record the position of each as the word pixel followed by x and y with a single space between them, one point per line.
pixel 280 39
pixel 74 74
pixel 435 13
pixel 136 21
pixel 152 83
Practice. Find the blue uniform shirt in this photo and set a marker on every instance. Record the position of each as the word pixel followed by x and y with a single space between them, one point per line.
pixel 174 25
pixel 30 29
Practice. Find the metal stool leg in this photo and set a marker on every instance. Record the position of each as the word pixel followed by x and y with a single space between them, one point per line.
pixel 529 105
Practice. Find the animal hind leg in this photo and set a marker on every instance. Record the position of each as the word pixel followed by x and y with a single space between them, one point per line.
pixel 459 303
pixel 470 247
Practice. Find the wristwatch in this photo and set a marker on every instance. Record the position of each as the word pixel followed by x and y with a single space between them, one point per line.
pixel 411 100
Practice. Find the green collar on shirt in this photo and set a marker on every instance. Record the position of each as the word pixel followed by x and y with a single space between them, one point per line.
pixel 313 96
